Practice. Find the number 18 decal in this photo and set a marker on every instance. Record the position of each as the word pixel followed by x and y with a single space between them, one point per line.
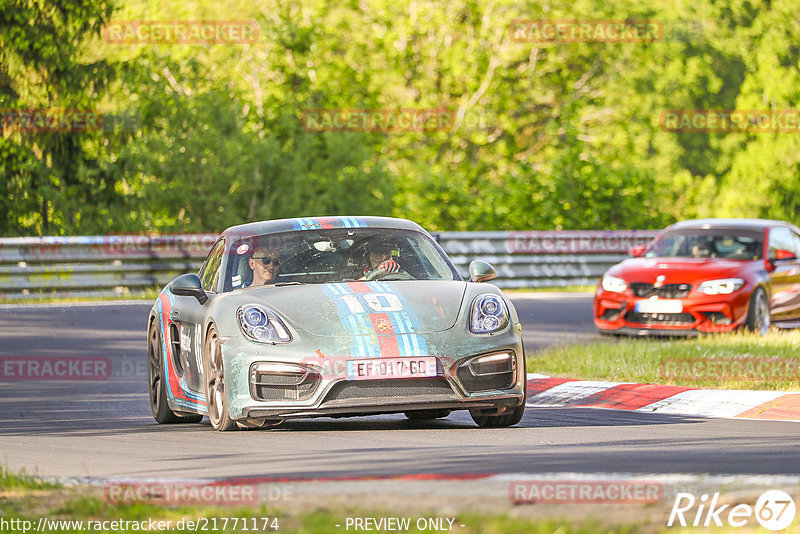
pixel 379 302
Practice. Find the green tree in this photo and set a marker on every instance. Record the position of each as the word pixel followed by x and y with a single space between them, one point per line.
pixel 51 181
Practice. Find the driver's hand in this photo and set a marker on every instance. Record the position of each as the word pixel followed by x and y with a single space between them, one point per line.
pixel 390 266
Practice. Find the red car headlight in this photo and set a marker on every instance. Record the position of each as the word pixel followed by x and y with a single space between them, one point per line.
pixel 614 284
pixel 724 286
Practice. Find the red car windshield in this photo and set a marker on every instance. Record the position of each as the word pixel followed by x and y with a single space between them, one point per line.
pixel 730 244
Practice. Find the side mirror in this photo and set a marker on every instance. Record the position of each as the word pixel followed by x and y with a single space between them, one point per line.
pixel 188 285
pixel 781 254
pixel 480 271
pixel 638 251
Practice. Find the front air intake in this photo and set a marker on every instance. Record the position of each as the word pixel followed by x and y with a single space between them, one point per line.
pixel 488 372
pixel 280 381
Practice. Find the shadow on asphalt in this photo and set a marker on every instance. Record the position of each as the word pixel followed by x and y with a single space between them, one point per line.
pixel 94 414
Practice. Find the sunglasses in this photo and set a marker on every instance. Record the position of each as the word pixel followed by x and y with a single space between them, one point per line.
pixel 267 261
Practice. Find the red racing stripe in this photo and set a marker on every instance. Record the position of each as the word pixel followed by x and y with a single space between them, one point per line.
pixel 387 341
pixel 172 375
pixel 174 383
pixel 359 287
pixel 381 325
pixel 630 396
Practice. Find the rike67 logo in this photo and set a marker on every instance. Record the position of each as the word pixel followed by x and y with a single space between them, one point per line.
pixel 774 510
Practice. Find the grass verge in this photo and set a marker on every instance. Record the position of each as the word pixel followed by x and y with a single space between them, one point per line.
pixel 80 510
pixel 726 361
pixel 22 481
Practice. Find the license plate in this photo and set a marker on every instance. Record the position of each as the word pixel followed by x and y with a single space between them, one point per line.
pixel 659 306
pixel 391 368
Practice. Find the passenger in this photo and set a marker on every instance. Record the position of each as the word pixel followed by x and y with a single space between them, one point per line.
pixel 702 249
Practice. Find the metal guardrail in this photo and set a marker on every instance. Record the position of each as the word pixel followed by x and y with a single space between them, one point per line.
pixel 542 258
pixel 116 265
pixel 119 265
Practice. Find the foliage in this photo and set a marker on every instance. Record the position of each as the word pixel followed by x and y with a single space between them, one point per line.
pixel 544 136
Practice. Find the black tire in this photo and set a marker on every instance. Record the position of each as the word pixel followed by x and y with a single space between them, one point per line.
pixel 498 421
pixel 758 318
pixel 214 373
pixel 426 415
pixel 506 419
pixel 157 384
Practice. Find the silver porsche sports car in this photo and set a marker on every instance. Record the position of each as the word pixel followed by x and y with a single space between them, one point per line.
pixel 333 317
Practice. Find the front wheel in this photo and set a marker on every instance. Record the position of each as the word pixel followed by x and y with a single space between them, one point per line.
pixel 214 372
pixel 505 419
pixel 758 319
pixel 499 421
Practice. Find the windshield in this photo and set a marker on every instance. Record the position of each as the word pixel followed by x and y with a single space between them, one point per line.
pixel 336 255
pixel 731 244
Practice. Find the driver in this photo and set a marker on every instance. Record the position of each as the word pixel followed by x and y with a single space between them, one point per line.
pixel 702 249
pixel 264 263
pixel 381 257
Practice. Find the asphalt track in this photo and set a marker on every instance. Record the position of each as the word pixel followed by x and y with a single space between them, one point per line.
pixel 104 428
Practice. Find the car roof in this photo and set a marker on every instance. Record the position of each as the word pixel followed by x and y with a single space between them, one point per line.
pixel 318 223
pixel 749 224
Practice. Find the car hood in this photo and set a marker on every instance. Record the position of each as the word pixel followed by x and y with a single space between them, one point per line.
pixel 676 270
pixel 415 306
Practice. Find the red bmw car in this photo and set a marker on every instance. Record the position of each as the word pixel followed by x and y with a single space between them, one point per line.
pixel 705 275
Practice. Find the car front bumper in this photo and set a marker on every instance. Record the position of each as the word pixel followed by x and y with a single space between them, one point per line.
pixel 331 394
pixel 616 313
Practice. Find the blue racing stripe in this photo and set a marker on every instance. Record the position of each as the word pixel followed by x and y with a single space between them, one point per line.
pixel 307 223
pixel 364 342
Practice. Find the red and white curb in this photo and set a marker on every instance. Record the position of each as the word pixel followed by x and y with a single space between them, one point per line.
pixel 548 391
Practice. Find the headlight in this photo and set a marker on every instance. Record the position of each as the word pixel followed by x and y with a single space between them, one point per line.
pixel 614 284
pixel 489 314
pixel 261 324
pixel 724 286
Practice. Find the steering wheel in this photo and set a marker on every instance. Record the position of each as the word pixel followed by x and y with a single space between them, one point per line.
pixel 375 274
pixel 380 273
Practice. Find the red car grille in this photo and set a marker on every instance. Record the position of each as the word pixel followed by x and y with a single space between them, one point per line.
pixel 660 318
pixel 667 291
